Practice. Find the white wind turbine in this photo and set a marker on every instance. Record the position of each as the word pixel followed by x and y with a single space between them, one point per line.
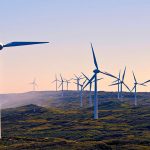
pixel 78 78
pixel 34 84
pixel 118 81
pixel 61 84
pixel 94 78
pixel 135 88
pixel 121 83
pixel 56 80
pixel 68 82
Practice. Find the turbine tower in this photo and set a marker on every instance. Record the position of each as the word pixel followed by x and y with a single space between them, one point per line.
pixel 62 85
pixel 34 84
pixel 56 80
pixel 135 87
pixel 13 44
pixel 81 92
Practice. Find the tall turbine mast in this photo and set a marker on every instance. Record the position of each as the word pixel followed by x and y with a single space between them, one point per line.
pixel 81 92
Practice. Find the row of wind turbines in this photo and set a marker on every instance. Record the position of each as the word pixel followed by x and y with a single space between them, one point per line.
pixel 118 80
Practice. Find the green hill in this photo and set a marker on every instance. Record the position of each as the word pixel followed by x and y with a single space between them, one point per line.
pixel 67 127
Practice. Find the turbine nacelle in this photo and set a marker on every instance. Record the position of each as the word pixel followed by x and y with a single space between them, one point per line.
pixel 96 71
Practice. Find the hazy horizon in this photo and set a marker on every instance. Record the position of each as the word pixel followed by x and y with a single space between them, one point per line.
pixel 119 31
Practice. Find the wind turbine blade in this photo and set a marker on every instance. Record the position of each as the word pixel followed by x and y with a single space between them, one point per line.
pixel 85 76
pixel 133 88
pixel 115 81
pixel 99 79
pixel 80 76
pixel 74 82
pixel 61 77
pixel 146 81
pixel 124 74
pixel 126 86
pixel 119 74
pixel 114 84
pixel 53 81
pixel 84 81
pixel 75 76
pixel 22 43
pixel 134 77
pixel 60 85
pixel 95 62
pixel 141 84
pixel 89 81
pixel 108 74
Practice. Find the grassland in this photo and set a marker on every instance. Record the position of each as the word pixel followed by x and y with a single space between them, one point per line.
pixel 120 126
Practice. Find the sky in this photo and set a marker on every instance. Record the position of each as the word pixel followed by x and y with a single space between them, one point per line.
pixel 119 31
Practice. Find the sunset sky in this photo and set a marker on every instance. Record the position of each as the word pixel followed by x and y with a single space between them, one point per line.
pixel 119 31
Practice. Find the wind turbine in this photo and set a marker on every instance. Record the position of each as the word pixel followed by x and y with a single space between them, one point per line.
pixel 135 88
pixel 81 92
pixel 94 77
pixel 118 81
pixel 90 85
pixel 78 78
pixel 12 44
pixel 67 82
pixel 62 84
pixel 34 84
pixel 121 83
pixel 56 80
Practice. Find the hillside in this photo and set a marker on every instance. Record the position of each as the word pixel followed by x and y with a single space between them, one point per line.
pixel 120 126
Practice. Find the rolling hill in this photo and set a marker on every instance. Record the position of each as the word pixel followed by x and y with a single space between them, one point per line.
pixel 59 123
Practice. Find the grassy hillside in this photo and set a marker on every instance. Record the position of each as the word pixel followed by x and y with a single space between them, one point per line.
pixel 67 127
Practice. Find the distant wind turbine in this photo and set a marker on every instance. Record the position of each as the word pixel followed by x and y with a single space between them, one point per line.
pixel 81 92
pixel 118 81
pixel 67 82
pixel 56 80
pixel 62 84
pixel 121 83
pixel 34 84
pixel 78 78
pixel 135 88
pixel 13 44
